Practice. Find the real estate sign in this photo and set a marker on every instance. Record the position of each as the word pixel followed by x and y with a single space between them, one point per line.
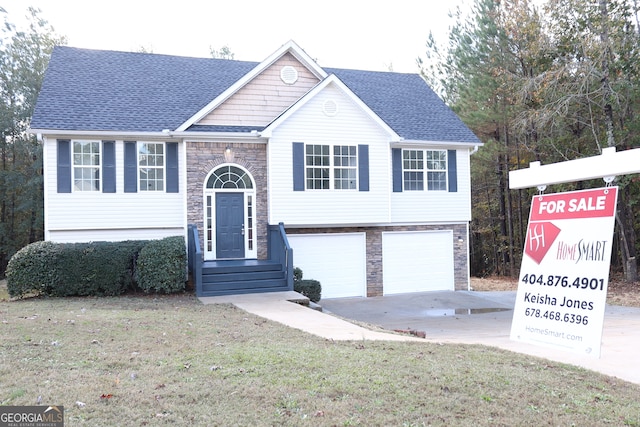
pixel 564 275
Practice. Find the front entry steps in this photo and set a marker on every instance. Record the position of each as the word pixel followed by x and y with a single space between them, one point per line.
pixel 229 277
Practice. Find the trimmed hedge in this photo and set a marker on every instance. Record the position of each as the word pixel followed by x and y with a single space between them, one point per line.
pixel 309 288
pixel 162 266
pixel 31 269
pixel 66 269
pixel 97 268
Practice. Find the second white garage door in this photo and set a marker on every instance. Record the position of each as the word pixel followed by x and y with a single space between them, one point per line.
pixel 417 261
pixel 337 261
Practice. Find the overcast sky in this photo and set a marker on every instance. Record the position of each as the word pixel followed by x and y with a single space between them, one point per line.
pixel 360 34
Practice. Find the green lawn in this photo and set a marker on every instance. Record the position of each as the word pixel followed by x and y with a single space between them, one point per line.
pixel 146 361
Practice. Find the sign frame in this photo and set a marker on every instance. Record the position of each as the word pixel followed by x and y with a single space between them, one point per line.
pixel 564 274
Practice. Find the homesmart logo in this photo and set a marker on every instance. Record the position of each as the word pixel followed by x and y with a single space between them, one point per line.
pixel 540 238
pixel 31 416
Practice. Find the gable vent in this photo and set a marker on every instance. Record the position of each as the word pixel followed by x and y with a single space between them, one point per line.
pixel 288 74
pixel 330 108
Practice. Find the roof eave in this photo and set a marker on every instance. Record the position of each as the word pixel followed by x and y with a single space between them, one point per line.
pixel 141 135
pixel 416 142
pixel 97 133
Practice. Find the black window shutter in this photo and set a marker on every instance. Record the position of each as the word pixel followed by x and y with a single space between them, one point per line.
pixel 363 167
pixel 130 167
pixel 108 166
pixel 64 166
pixel 396 162
pixel 452 171
pixel 298 166
pixel 172 167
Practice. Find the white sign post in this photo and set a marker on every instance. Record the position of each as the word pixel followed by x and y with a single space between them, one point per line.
pixel 564 275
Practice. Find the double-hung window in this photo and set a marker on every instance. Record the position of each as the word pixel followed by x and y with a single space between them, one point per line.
pixel 318 167
pixel 331 167
pixel 151 163
pixel 420 166
pixel 344 167
pixel 86 165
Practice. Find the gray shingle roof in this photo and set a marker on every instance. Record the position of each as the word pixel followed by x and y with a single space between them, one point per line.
pixel 97 90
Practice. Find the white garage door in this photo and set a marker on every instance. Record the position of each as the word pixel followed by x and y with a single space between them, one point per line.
pixel 417 261
pixel 337 261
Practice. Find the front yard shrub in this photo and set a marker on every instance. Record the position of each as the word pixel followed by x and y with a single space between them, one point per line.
pixel 31 269
pixel 309 288
pixel 68 269
pixel 162 265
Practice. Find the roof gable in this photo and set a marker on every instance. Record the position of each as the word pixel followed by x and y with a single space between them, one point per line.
pixel 331 80
pixel 290 48
pixel 263 98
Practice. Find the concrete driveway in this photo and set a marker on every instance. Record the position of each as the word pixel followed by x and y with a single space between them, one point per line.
pixel 441 315
pixel 485 318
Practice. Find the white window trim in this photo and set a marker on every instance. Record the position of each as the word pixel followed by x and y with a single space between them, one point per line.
pixel 425 170
pixel 98 166
pixel 140 167
pixel 210 253
pixel 332 167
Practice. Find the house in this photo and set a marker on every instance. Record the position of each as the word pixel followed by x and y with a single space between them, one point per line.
pixel 365 175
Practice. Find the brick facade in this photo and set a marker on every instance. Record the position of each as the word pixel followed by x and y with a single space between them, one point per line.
pixel 204 157
pixel 374 250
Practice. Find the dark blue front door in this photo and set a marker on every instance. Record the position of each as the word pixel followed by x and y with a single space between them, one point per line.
pixel 229 225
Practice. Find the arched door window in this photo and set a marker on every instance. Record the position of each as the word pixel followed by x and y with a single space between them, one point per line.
pixel 229 177
pixel 229 214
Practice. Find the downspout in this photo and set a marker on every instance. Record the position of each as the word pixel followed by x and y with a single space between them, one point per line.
pixel 469 288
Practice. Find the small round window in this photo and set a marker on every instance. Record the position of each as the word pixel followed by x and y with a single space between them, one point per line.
pixel 288 74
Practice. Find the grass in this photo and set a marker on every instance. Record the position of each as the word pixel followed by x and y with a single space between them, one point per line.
pixel 169 360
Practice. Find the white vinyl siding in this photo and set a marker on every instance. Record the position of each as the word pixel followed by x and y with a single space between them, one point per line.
pixel 417 261
pixel 380 205
pixel 349 127
pixel 436 206
pixel 337 261
pixel 92 215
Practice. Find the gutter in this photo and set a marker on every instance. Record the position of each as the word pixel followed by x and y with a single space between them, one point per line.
pixel 415 142
pixel 153 135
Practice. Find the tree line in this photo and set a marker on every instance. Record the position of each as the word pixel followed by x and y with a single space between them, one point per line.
pixel 541 81
pixel 24 55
